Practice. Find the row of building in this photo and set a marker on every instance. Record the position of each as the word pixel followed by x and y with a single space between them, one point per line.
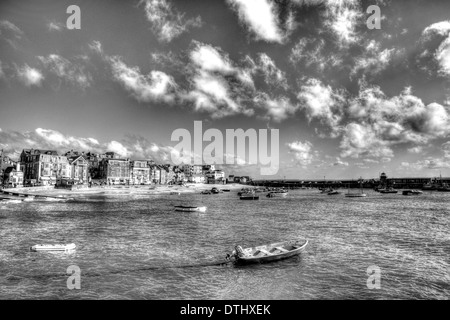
pixel 47 167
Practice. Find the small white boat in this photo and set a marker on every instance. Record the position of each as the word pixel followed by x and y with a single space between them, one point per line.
pixel 53 247
pixel 190 209
pixel 411 192
pixel 268 253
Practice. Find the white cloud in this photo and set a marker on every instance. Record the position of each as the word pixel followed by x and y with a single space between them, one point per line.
pixel 155 86
pixel 272 74
pixel 323 103
pixel 379 122
pixel 442 53
pixel 7 25
pixel 96 46
pixel 339 162
pixel 342 17
pixel 55 26
pixel 261 17
pixel 167 22
pixel 278 109
pixel 302 152
pixel 10 33
pixel 29 76
pixel 416 150
pixel 359 140
pixel 374 59
pixel 64 69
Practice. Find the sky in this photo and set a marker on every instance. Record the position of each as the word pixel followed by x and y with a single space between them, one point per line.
pixel 348 101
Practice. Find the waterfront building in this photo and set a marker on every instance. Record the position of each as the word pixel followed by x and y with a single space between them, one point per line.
pixel 190 170
pixel 44 166
pixel 216 176
pixel 79 168
pixel 197 178
pixel 140 172
pixel 115 171
pixel 13 176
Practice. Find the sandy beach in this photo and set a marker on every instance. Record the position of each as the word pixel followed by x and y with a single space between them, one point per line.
pixel 155 190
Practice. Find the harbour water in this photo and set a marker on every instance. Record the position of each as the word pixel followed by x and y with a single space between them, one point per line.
pixel 129 246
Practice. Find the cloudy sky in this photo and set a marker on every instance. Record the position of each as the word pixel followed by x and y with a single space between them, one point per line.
pixel 348 101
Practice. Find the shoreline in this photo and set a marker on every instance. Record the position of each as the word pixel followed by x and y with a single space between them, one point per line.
pixel 147 189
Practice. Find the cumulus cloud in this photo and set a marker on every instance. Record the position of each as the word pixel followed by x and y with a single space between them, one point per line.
pixel 323 103
pixel 340 163
pixel 377 122
pixel 217 85
pixel 29 76
pixel 374 60
pixel 156 86
pixel 134 147
pixel 267 20
pixel 441 53
pixel 302 152
pixel 272 74
pixel 278 109
pixel 313 52
pixel 167 22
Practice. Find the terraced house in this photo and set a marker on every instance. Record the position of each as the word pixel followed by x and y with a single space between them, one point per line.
pixel 140 172
pixel 43 167
pixel 115 171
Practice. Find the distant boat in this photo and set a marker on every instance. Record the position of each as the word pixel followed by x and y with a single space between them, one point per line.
pixel 53 247
pixel 190 209
pixel 411 192
pixel 361 194
pixel 249 197
pixel 268 253
pixel 444 188
pixel 390 190
pixel 277 194
pixel 175 193
pixel 226 190
pixel 215 190
pixel 333 192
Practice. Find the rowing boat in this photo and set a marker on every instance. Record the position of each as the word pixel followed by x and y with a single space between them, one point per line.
pixel 268 253
pixel 53 247
pixel 190 209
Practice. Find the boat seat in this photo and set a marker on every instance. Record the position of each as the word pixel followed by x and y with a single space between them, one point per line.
pixel 267 253
pixel 281 249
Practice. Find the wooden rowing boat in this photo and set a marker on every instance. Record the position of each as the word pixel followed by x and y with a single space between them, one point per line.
pixel 53 247
pixel 190 209
pixel 268 253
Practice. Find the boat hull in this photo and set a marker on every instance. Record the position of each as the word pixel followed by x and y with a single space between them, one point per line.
pixel 51 247
pixel 191 209
pixel 249 198
pixel 270 258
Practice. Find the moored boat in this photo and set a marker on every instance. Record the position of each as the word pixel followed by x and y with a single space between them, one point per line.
pixel 249 196
pixel 411 192
pixel 53 247
pixel 268 253
pixel 390 190
pixel 190 209
pixel 277 194
pixel 333 192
